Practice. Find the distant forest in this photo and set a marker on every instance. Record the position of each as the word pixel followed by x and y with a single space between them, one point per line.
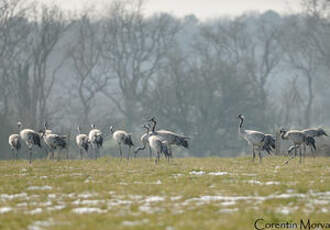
pixel 120 67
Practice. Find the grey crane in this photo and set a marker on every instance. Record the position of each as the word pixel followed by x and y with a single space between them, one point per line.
pixel 157 144
pixel 95 137
pixel 269 143
pixel 144 140
pixel 315 132
pixel 257 139
pixel 122 137
pixel 82 142
pixel 298 138
pixel 15 144
pixel 171 137
pixel 30 137
pixel 312 132
pixel 53 141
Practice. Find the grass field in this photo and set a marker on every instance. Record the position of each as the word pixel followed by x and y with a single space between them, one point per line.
pixel 189 193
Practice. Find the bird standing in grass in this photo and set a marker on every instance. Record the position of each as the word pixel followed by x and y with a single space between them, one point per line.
pixel 258 140
pixel 157 144
pixel 172 138
pixel 95 138
pixel 82 143
pixel 145 143
pixel 15 144
pixel 53 141
pixel 30 137
pixel 122 137
pixel 298 138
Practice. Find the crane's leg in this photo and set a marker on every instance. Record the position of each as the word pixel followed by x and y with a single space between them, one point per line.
pixel 30 155
pixel 128 153
pixel 253 153
pixel 67 153
pixel 121 153
pixel 81 153
pixel 260 156
pixel 169 151
pixel 300 154
pixel 157 158
pixel 16 154
pixel 150 152
pixel 295 150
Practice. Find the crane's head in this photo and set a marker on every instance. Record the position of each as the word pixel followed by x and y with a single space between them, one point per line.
pixel 45 125
pixel 153 119
pixel 283 130
pixel 19 124
pixel 322 132
pixel 111 129
pixel 240 116
pixel 93 126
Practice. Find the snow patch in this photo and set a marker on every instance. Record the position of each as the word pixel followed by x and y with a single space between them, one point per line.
pixel 134 223
pixel 86 210
pixel 5 210
pixel 46 187
pixel 197 173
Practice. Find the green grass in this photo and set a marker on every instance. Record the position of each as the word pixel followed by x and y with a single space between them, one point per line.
pixel 141 195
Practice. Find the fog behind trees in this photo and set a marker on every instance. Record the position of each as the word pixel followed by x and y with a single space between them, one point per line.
pixel 194 76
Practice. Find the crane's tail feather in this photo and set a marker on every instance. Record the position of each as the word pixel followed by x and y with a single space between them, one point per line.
pixel 61 141
pixel 128 141
pixel 99 141
pixel 269 143
pixel 310 141
pixel 182 141
pixel 85 146
pixel 36 139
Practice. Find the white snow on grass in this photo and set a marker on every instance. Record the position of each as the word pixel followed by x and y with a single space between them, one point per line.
pixel 218 173
pixel 254 182
pixel 174 198
pixel 154 199
pixel 228 210
pixel 41 225
pixel 13 196
pixel 56 208
pixel 46 187
pixel 5 210
pixel 272 183
pixel 86 195
pixel 87 202
pixel 134 223
pixel 86 210
pixel 35 211
pixel 197 173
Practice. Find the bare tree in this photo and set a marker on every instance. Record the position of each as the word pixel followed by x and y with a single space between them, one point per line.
pixel 134 48
pixel 86 57
pixel 302 57
pixel 36 71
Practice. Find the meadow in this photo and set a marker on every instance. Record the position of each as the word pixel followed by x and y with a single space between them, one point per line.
pixel 187 193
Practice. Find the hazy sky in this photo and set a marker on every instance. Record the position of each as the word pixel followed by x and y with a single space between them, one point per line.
pixel 201 8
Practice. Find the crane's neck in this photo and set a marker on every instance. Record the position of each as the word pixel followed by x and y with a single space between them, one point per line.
pixel 154 126
pixel 111 130
pixel 240 130
pixel 283 135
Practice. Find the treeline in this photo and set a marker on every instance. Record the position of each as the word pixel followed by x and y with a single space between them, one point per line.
pixel 121 67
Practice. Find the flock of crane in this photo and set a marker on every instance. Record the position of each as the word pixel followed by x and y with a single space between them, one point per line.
pixel 158 141
pixel 266 142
